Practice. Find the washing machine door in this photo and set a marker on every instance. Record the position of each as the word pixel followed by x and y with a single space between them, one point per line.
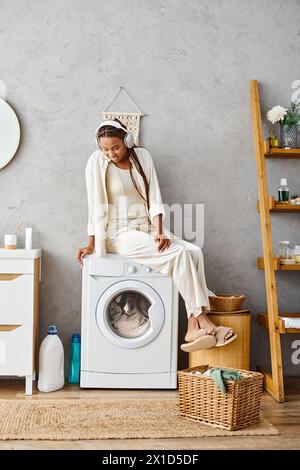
pixel 130 314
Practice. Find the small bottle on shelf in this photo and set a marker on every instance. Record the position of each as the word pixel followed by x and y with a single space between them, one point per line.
pixel 283 191
pixel 285 252
pixel 296 254
pixel 274 142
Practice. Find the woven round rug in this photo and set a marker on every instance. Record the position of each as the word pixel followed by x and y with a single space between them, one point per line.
pixel 85 419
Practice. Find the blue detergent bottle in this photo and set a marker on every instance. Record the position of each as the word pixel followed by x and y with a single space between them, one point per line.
pixel 74 366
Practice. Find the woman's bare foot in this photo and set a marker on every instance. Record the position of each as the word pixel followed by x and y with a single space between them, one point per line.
pixel 205 322
pixel 193 329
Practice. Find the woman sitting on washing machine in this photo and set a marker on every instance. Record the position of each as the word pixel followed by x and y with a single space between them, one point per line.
pixel 126 217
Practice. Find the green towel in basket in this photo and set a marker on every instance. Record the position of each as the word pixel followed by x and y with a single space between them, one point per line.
pixel 220 375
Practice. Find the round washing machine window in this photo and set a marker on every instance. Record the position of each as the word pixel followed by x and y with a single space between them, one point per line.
pixel 130 314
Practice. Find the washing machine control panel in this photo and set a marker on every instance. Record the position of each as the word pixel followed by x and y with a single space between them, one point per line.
pixel 139 269
pixel 117 266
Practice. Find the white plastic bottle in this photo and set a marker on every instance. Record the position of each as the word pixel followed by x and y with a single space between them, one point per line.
pixel 51 362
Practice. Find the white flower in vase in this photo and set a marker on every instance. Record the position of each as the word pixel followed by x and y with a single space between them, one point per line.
pixel 276 114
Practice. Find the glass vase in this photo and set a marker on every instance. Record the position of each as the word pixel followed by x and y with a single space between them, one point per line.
pixel 288 136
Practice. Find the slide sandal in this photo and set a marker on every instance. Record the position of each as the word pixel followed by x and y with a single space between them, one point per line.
pixel 204 342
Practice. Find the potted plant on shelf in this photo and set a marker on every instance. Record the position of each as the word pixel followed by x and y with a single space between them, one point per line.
pixel 288 126
pixel 288 119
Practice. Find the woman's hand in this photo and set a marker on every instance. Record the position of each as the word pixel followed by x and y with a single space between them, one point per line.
pixel 82 252
pixel 163 242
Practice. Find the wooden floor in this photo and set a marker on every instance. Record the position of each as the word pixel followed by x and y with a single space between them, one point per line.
pixel 285 417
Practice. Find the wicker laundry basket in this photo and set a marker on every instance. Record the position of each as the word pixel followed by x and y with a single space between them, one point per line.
pixel 201 400
pixel 226 303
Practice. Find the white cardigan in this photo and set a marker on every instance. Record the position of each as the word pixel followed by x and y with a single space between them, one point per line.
pixel 97 194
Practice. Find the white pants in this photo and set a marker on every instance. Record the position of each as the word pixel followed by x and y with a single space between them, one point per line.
pixel 183 261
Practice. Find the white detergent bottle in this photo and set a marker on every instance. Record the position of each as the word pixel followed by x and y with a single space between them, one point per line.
pixel 51 362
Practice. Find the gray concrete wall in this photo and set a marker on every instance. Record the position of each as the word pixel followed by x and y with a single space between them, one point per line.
pixel 188 65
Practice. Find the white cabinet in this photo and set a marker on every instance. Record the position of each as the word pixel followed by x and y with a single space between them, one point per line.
pixel 20 275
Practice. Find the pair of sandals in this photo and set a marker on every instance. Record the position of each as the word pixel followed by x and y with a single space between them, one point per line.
pixel 202 340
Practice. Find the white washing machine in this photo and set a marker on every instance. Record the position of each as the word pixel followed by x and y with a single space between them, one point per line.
pixel 129 325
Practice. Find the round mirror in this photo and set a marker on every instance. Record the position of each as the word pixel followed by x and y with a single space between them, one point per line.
pixel 9 133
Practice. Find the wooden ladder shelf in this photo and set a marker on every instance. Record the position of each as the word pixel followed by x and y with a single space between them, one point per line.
pixel 272 320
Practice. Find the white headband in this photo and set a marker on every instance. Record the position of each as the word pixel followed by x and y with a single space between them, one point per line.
pixel 111 123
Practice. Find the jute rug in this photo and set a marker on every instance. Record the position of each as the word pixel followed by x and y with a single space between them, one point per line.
pixel 85 419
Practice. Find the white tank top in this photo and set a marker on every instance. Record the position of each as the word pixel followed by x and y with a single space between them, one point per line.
pixel 124 200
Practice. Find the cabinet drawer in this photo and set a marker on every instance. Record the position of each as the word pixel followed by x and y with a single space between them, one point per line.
pixel 16 299
pixel 22 266
pixel 16 346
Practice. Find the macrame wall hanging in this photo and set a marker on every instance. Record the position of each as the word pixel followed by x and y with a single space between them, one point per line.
pixel 131 120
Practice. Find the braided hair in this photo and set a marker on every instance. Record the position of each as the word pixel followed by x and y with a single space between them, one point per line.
pixel 110 131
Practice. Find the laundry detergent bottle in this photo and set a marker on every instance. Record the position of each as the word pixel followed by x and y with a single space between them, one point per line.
pixel 51 362
pixel 74 366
